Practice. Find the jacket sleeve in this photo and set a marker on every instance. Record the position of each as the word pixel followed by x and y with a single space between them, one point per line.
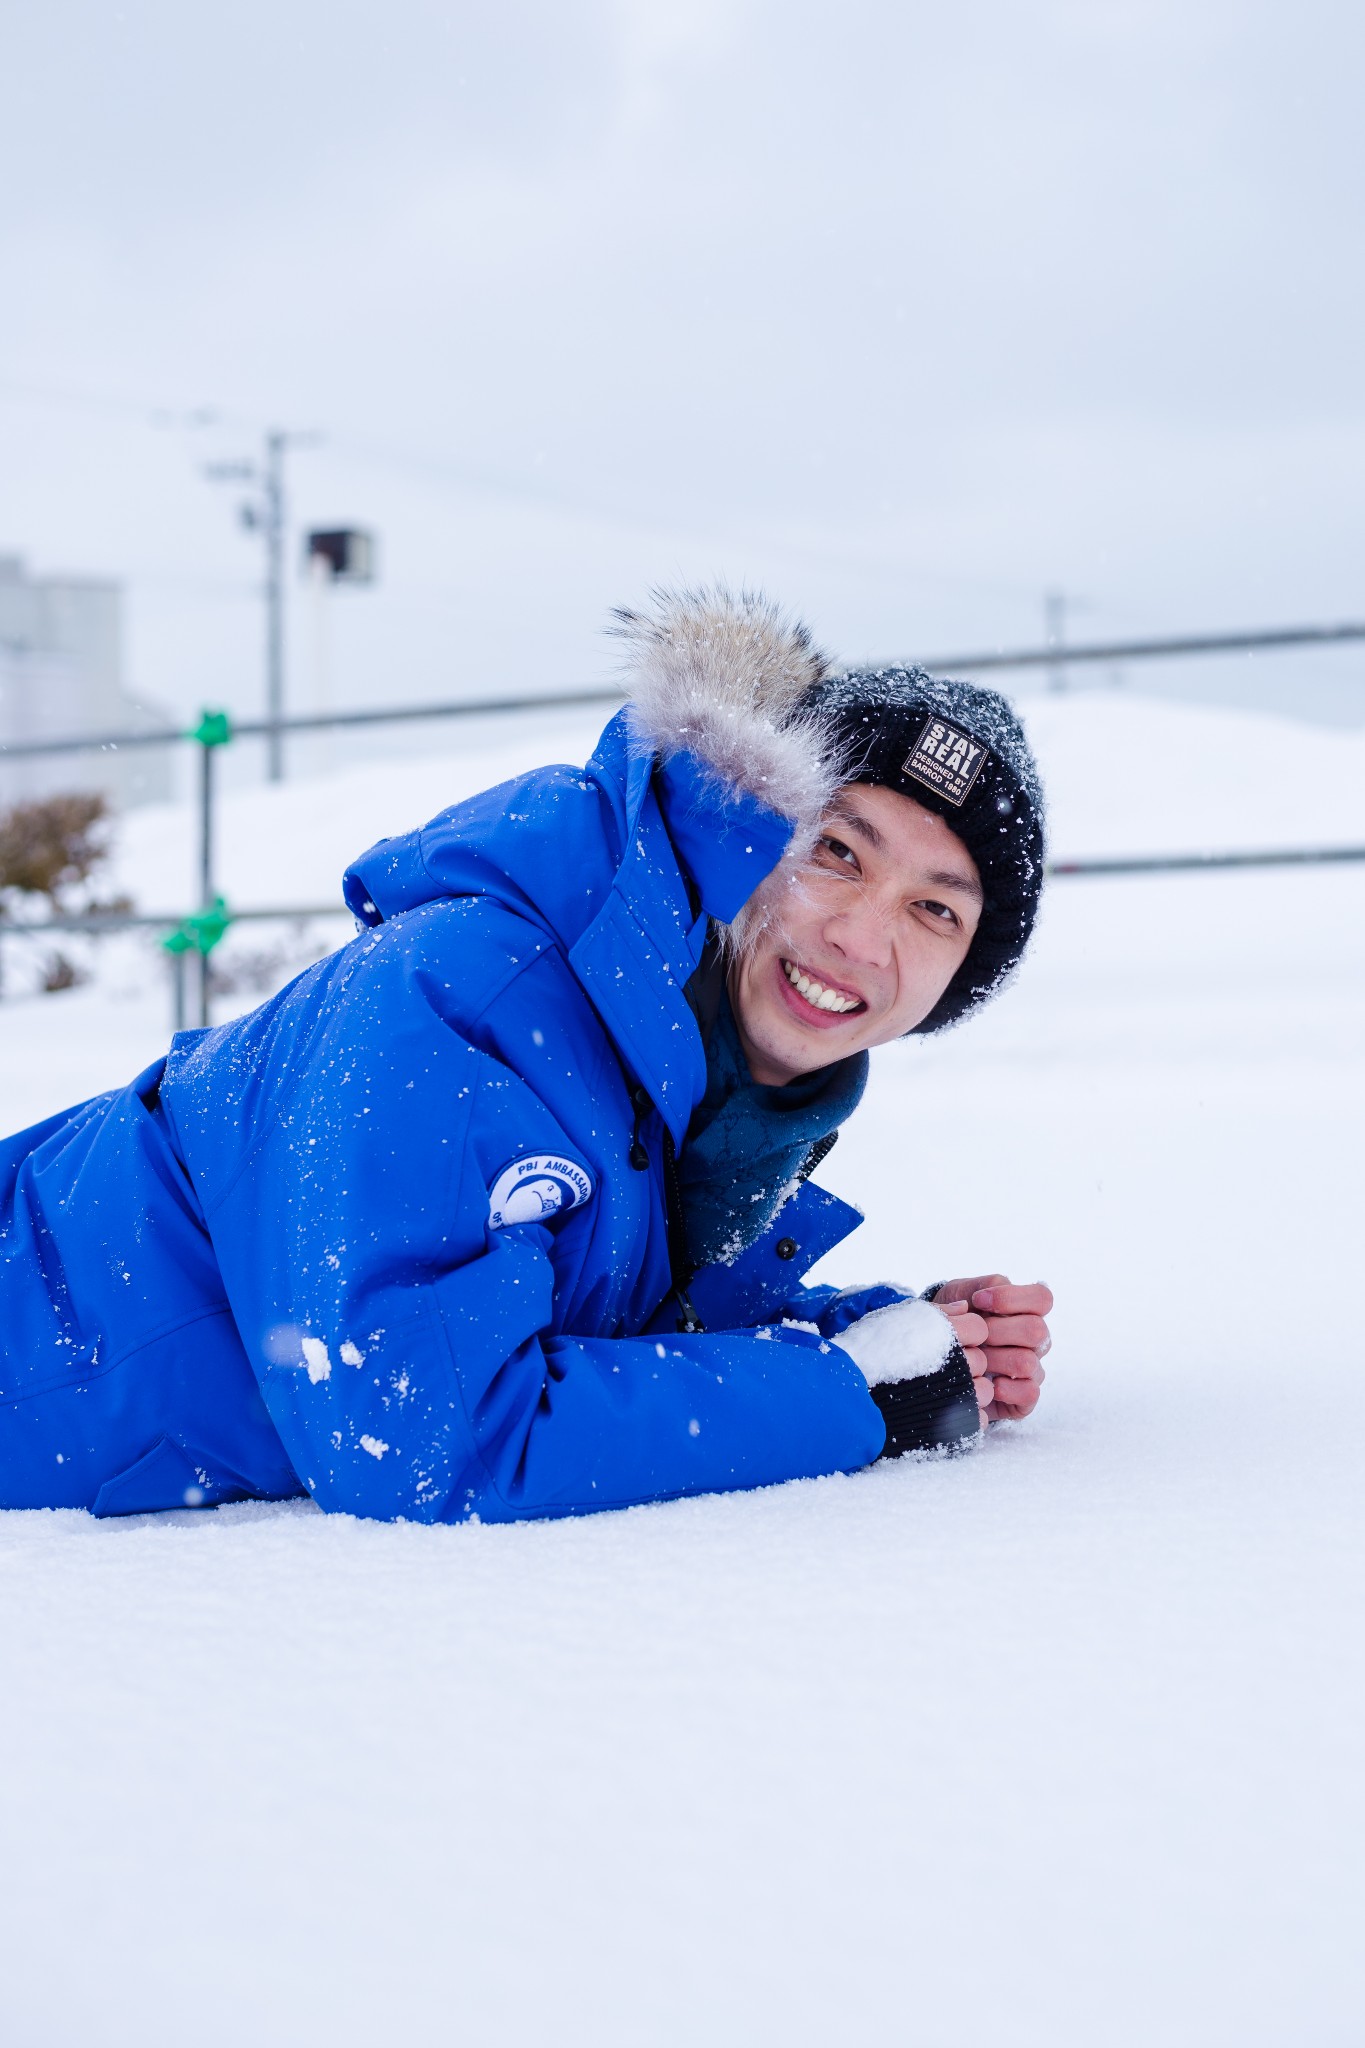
pixel 414 1358
pixel 931 1411
pixel 461 1402
pixel 832 1310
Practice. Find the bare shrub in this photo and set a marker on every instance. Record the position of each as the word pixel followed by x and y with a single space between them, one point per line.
pixel 49 846
pixel 60 973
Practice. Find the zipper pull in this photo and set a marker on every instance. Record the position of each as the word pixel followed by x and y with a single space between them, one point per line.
pixel 689 1322
pixel 641 1104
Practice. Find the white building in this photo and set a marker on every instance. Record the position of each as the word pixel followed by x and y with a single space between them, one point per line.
pixel 61 674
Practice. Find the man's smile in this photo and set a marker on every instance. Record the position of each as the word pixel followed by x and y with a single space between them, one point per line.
pixel 816 1001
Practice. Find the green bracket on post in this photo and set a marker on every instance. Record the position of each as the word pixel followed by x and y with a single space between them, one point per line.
pixel 201 931
pixel 213 730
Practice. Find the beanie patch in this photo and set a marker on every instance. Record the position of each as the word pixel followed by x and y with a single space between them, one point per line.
pixel 945 760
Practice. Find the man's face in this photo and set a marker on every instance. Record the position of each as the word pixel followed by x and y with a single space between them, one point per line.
pixel 855 948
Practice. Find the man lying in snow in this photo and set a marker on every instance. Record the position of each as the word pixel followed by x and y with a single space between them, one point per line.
pixel 502 1209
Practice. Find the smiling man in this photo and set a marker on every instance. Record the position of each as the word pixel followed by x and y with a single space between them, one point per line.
pixel 503 1209
pixel 891 900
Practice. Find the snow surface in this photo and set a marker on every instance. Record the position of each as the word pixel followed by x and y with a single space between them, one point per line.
pixel 1057 1743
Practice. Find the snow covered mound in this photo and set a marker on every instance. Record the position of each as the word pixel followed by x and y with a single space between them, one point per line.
pixel 1054 1744
pixel 1138 775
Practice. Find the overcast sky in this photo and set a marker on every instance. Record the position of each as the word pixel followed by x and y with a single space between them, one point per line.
pixel 908 313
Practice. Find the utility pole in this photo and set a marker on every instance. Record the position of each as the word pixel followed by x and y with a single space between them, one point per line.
pixel 272 522
pixel 266 514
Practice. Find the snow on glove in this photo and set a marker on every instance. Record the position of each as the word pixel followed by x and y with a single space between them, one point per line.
pixel 917 1375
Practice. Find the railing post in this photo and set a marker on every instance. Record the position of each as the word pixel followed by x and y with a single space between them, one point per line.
pixel 176 946
pixel 213 730
pixel 198 934
pixel 205 862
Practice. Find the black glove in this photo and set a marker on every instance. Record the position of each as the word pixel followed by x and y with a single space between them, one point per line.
pixel 937 1408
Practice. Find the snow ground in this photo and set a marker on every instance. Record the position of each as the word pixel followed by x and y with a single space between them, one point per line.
pixel 1055 1744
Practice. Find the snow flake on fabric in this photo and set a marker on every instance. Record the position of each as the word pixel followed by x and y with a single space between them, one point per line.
pixel 316 1359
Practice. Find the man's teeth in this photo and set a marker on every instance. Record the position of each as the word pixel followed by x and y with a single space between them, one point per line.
pixel 815 992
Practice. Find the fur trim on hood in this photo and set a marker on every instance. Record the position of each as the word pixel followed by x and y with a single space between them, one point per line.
pixel 722 676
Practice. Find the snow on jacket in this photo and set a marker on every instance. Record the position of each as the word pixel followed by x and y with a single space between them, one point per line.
pixel 381 1239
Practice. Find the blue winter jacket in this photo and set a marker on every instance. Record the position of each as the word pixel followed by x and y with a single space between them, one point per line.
pixel 381 1239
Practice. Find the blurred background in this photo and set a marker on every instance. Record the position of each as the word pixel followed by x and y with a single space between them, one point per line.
pixel 950 327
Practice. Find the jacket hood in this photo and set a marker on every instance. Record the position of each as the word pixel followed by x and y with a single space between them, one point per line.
pixel 721 677
pixel 712 734
pixel 693 795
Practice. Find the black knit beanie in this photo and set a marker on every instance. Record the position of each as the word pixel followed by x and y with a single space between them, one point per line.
pixel 960 751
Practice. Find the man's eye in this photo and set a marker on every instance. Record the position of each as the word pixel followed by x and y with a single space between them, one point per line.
pixel 840 851
pixel 940 911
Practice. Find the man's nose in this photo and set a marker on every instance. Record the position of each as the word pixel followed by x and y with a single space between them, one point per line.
pixel 861 933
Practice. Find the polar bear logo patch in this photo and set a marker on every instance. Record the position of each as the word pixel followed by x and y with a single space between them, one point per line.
pixel 535 1187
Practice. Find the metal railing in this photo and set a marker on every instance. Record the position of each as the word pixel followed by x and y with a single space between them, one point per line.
pixel 194 936
pixel 1262 641
pixel 1194 863
pixel 1078 654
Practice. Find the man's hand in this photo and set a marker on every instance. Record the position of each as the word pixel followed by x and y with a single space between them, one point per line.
pixel 1002 1330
